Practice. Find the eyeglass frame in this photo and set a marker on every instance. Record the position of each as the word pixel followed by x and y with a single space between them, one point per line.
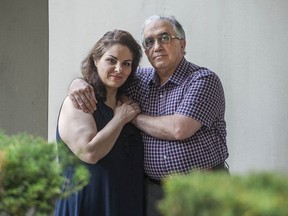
pixel 158 38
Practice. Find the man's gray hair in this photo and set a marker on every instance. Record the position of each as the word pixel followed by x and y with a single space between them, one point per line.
pixel 171 19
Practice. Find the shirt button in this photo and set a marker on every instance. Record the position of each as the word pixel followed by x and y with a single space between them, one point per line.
pixel 161 96
pixel 164 157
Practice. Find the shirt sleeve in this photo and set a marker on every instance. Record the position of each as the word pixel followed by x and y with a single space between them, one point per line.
pixel 203 99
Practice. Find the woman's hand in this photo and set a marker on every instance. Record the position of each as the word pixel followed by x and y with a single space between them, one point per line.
pixel 126 111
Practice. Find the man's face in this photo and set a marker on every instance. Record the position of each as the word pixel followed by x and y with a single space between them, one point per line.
pixel 163 56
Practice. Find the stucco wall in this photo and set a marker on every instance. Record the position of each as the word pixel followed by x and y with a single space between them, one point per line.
pixel 24 66
pixel 244 42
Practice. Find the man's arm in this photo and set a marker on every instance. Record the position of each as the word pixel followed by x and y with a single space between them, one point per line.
pixel 82 95
pixel 170 127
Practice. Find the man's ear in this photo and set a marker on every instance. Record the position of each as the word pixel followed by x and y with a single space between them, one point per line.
pixel 95 63
pixel 183 44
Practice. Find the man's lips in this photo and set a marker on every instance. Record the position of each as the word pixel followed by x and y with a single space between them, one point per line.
pixel 158 56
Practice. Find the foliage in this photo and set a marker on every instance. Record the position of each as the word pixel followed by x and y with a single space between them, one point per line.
pixel 30 175
pixel 219 194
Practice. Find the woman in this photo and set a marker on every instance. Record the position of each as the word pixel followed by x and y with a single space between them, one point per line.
pixel 105 141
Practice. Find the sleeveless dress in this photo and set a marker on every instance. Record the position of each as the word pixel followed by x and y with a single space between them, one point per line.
pixel 116 186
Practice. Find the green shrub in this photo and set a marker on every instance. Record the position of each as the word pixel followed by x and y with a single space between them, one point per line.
pixel 218 194
pixel 30 176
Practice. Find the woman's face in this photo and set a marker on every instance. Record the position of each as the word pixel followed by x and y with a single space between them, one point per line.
pixel 115 66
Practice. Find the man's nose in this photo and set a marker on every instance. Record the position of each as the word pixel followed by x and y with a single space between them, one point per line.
pixel 157 45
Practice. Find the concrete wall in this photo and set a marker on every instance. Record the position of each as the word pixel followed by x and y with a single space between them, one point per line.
pixel 244 42
pixel 24 66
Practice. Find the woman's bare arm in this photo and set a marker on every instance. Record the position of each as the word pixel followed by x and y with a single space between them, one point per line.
pixel 79 131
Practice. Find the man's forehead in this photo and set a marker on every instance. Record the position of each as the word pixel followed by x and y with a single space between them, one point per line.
pixel 157 27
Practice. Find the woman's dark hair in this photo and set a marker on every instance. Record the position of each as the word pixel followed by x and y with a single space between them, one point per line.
pixel 110 38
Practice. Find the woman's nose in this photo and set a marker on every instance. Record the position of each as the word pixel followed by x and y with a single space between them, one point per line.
pixel 118 68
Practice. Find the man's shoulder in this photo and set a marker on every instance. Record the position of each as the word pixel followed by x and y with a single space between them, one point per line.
pixel 200 70
pixel 196 73
pixel 192 68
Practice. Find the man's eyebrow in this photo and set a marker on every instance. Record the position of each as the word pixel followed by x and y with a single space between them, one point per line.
pixel 162 33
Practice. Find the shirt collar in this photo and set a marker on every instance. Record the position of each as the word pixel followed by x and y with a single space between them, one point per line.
pixel 178 77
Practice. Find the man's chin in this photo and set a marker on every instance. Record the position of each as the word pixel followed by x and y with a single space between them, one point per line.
pixel 159 64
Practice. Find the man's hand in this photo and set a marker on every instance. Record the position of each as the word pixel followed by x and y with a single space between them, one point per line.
pixel 82 95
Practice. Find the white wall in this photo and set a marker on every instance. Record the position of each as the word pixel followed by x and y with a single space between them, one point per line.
pixel 244 42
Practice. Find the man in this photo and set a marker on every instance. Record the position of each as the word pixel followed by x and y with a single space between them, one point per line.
pixel 183 109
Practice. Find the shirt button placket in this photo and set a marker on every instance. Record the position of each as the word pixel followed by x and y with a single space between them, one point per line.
pixel 161 101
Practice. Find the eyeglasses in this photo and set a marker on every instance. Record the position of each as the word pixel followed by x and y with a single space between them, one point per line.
pixel 165 38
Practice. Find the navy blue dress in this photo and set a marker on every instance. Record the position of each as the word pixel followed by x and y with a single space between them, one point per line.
pixel 116 185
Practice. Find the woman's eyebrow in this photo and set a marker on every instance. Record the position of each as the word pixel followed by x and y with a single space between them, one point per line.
pixel 111 56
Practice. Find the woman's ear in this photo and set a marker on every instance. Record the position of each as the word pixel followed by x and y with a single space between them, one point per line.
pixel 95 63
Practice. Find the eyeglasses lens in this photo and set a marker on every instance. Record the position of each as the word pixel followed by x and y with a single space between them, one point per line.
pixel 163 39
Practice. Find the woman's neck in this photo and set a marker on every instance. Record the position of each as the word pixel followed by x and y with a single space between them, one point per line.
pixel 111 100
